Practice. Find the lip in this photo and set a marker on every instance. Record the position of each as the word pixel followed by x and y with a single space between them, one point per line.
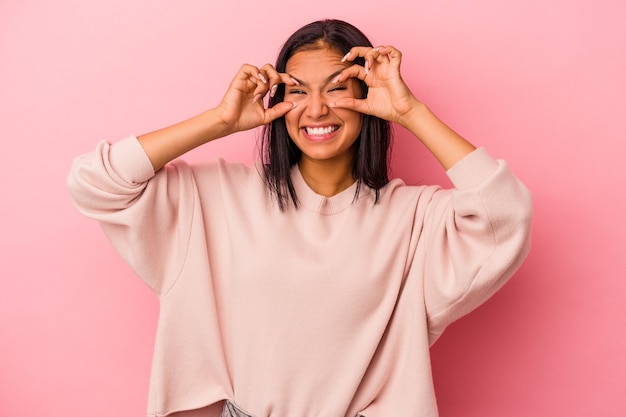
pixel 323 137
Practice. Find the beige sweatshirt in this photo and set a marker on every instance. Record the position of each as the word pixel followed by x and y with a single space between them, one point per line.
pixel 323 311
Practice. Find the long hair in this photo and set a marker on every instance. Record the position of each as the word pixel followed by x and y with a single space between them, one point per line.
pixel 278 151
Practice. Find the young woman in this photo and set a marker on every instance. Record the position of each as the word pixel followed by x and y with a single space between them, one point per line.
pixel 308 285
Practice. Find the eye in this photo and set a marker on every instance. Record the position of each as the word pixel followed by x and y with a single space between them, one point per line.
pixel 338 88
pixel 295 91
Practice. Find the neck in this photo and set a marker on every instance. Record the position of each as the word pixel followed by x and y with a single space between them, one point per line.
pixel 326 178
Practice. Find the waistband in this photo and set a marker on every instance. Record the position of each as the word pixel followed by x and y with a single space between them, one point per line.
pixel 231 410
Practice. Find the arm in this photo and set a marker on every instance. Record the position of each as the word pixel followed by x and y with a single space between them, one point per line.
pixel 444 143
pixel 475 235
pixel 241 109
pixel 148 216
pixel 167 144
pixel 389 98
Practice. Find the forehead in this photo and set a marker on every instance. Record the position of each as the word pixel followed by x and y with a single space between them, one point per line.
pixel 315 61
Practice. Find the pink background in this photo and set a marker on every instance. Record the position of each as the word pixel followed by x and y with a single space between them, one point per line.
pixel 540 83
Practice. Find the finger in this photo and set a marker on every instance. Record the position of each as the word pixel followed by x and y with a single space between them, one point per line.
pixel 355 52
pixel 260 91
pixel 264 73
pixel 368 53
pixel 248 82
pixel 256 80
pixel 262 88
pixel 353 71
pixel 249 73
pixel 273 78
pixel 391 53
pixel 371 57
pixel 355 104
pixel 288 79
pixel 279 110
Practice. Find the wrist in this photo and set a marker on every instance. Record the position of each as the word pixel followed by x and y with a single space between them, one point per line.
pixel 413 119
pixel 443 142
pixel 212 125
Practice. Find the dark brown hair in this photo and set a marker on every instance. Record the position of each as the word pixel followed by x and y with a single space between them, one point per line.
pixel 278 151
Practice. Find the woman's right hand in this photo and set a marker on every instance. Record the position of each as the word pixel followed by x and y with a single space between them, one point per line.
pixel 243 107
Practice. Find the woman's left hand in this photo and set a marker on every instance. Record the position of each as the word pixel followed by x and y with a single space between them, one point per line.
pixel 388 97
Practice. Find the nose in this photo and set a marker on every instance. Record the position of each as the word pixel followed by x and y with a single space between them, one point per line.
pixel 317 106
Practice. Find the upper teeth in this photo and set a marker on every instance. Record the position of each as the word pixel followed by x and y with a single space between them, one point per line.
pixel 320 130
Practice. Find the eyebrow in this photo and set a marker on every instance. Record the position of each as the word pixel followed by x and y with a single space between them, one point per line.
pixel 328 79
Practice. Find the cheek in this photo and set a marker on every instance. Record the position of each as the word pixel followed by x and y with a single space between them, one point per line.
pixel 353 118
pixel 292 120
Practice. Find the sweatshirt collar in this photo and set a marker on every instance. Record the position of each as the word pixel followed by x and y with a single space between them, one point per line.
pixel 326 206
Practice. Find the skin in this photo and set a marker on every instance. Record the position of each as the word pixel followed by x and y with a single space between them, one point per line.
pixel 327 159
pixel 326 163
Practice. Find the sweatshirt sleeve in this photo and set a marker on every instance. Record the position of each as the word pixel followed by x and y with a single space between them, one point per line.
pixel 477 235
pixel 147 217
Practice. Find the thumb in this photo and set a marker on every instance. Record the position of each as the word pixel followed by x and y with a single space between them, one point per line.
pixel 280 109
pixel 355 104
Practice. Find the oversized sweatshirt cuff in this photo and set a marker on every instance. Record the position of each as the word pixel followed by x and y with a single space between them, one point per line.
pixel 473 169
pixel 130 161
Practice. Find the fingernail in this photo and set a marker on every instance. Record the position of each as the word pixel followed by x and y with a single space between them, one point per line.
pixel 262 78
pixel 334 80
pixel 295 104
pixel 273 90
pixel 367 67
pixel 294 80
pixel 257 97
pixel 345 57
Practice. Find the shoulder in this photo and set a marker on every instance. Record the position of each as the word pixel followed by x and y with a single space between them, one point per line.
pixel 227 178
pixel 218 169
pixel 397 191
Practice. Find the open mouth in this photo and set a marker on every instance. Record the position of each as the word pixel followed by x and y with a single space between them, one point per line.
pixel 320 131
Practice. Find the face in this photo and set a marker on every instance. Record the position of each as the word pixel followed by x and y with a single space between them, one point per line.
pixel 322 133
